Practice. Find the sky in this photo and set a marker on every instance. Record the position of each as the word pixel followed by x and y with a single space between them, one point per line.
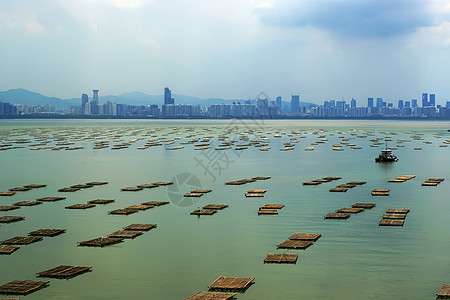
pixel 233 49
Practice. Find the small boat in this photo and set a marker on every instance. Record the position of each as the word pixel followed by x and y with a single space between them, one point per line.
pixel 386 155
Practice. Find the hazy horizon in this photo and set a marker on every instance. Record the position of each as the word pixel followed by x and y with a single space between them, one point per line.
pixel 321 50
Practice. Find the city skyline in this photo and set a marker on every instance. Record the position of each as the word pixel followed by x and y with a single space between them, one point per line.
pixel 320 49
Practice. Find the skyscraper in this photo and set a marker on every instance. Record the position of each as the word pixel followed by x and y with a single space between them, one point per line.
pixel 353 103
pixel 379 102
pixel 414 103
pixel 279 102
pixel 94 103
pixel 370 102
pixel 84 102
pixel 407 104
pixel 424 99
pixel 95 96
pixel 295 104
pixel 432 101
pixel 168 97
pixel 400 104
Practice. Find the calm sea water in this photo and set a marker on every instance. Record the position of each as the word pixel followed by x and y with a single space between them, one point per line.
pixel 354 259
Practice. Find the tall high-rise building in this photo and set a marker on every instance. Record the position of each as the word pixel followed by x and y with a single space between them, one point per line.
pixel 379 102
pixel 432 101
pixel 279 102
pixel 370 102
pixel 295 104
pixel 95 96
pixel 95 110
pixel 353 103
pixel 332 102
pixel 414 103
pixel 447 104
pixel 168 97
pixel 407 104
pixel 424 99
pixel 84 102
pixel 400 104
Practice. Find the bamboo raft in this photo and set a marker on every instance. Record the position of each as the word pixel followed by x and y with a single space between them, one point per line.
pixel 256 191
pixel 123 211
pixel 432 181
pixel 27 203
pixel 272 206
pixel 215 206
pixel 10 219
pixel 294 244
pixel 7 194
pixel 47 232
pixel 386 222
pixel 342 216
pixel 8 208
pixel 394 216
pixel 101 201
pixel 211 296
pixel 101 242
pixel 231 283
pixel 19 189
pixel 203 212
pixel 97 183
pixel 50 199
pixel 350 210
pixel 156 203
pixel 125 234
pixel 162 183
pixel 35 186
pixel 64 272
pixel 281 258
pixel 339 190
pixel 147 186
pixel 380 192
pixel 22 240
pixel 364 205
pixel 267 211
pixel 22 287
pixel 444 292
pixel 305 236
pixel 81 186
pixel 80 206
pixel 68 190
pixel 193 194
pixel 253 195
pixel 131 189
pixel 140 227
pixel 7 249
pixel 140 207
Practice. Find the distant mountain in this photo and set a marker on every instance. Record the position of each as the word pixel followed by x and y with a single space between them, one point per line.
pixel 21 96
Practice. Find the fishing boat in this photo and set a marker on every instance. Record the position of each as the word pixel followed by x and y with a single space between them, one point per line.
pixel 386 155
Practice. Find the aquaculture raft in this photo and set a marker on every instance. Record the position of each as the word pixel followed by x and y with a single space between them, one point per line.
pixel 444 292
pixel 267 211
pixel 337 216
pixel 64 272
pixel 51 199
pixel 294 244
pixel 281 258
pixel 101 242
pixel 211 296
pixel 7 208
pixel 215 206
pixel 47 232
pixel 22 240
pixel 123 211
pixel 231 283
pixel 364 205
pixel 7 194
pixel 350 210
pixel 101 201
pixel 80 206
pixel 156 203
pixel 140 227
pixel 305 236
pixel 203 212
pixel 22 287
pixel 380 192
pixel 6 249
pixel 9 219
pixel 27 203
pixel 125 234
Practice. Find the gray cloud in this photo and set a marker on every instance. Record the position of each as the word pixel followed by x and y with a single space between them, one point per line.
pixel 373 18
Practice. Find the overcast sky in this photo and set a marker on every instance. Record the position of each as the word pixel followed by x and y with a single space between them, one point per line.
pixel 321 49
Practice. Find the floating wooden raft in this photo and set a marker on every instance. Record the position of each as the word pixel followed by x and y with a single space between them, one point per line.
pixel 147 186
pixel 211 296
pixel 126 234
pixel 215 206
pixel 163 183
pixel 8 208
pixel 131 189
pixel 35 186
pixel 22 287
pixel 193 194
pixel 346 185
pixel 272 206
pixel 50 199
pixel 203 212
pixel 397 211
pixel 305 236
pixel 432 181
pixel 156 203
pixel 337 216
pixel 256 191
pixel 342 190
pixel 386 222
pixel 444 292
pixel 81 186
pixel 6 249
pixel 201 191
pixel 101 242
pixel 64 272
pixel 364 205
pixel 27 203
pixel 22 240
pixel 80 206
pixel 253 195
pixel 68 189
pixel 140 227
pixel 140 206
pixel 261 177
pixel 281 258
pixel 101 201
pixel 380 192
pixel 19 189
pixel 267 211
pixel 357 182
pixel 123 211
pixel 47 232
pixel 394 216
pixel 7 194
pixel 9 219
pixel 231 283
pixel 312 183
pixel 294 244
pixel 350 210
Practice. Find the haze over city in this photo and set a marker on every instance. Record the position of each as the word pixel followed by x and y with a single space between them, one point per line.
pixel 321 50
